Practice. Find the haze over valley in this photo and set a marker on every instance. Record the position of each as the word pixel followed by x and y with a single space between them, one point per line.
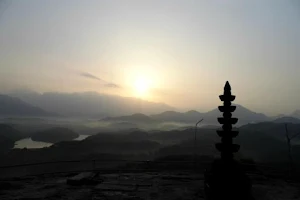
pixel 146 99
pixel 49 125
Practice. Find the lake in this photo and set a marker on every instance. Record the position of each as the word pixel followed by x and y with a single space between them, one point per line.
pixel 30 144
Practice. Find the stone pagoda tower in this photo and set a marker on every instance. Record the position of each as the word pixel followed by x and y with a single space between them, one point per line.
pixel 226 147
pixel 226 179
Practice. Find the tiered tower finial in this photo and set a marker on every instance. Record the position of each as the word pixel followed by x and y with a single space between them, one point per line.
pixel 226 178
pixel 226 147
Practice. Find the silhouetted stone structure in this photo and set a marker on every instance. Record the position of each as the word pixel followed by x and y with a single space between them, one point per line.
pixel 226 179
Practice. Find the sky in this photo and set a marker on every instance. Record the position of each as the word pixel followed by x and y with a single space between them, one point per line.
pixel 180 52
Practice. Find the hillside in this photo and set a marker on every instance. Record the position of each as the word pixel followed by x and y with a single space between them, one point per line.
pixel 54 135
pixel 287 120
pixel 5 144
pixel 296 114
pixel 170 116
pixel 11 106
pixel 276 130
pixel 121 126
pixel 8 136
pixel 263 142
pixel 10 133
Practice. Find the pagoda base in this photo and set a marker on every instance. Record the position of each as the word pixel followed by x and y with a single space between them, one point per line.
pixel 227 180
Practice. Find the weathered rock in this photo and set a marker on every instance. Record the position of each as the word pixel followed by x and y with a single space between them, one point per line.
pixel 84 178
pixel 10 186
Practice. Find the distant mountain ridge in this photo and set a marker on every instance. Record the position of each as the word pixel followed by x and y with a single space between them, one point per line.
pixel 96 105
pixel 173 116
pixel 286 119
pixel 12 106
pixel 90 104
pixel 245 116
pixel 296 114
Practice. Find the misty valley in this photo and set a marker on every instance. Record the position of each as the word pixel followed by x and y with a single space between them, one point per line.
pixel 35 141
pixel 32 131
pixel 149 100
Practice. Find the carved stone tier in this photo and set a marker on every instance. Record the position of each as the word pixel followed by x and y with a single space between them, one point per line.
pixel 226 178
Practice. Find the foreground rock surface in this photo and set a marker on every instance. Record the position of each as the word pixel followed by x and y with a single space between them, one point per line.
pixel 158 186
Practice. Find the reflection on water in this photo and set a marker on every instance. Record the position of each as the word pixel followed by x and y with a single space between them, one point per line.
pixel 30 144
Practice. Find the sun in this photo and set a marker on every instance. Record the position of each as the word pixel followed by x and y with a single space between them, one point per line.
pixel 142 87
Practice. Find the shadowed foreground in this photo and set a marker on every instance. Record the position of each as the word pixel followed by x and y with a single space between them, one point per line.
pixel 158 185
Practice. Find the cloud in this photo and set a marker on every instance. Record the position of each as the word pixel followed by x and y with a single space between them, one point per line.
pixel 112 85
pixel 106 84
pixel 90 76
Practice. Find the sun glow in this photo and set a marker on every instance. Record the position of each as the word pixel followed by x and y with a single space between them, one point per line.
pixel 142 87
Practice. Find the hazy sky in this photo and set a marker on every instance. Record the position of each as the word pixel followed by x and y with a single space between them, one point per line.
pixel 181 51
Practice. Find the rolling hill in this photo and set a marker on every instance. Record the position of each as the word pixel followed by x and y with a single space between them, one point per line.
pixel 275 130
pixel 8 136
pixel 12 106
pixel 55 135
pixel 191 117
pixel 287 120
pixel 10 132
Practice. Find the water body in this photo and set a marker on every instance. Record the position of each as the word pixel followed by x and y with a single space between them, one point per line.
pixel 81 137
pixel 30 144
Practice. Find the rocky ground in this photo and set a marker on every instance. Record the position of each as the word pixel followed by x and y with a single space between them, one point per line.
pixel 158 186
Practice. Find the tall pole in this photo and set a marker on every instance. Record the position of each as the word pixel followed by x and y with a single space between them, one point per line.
pixel 289 150
pixel 288 139
pixel 195 142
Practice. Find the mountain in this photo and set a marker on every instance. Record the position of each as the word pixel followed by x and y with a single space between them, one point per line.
pixel 169 116
pixel 296 114
pixel 262 145
pixel 12 106
pixel 90 104
pixel 273 118
pixel 5 144
pixel 275 130
pixel 55 135
pixel 245 116
pixel 122 126
pixel 9 132
pixel 8 136
pixel 191 116
pixel 287 120
pixel 266 141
